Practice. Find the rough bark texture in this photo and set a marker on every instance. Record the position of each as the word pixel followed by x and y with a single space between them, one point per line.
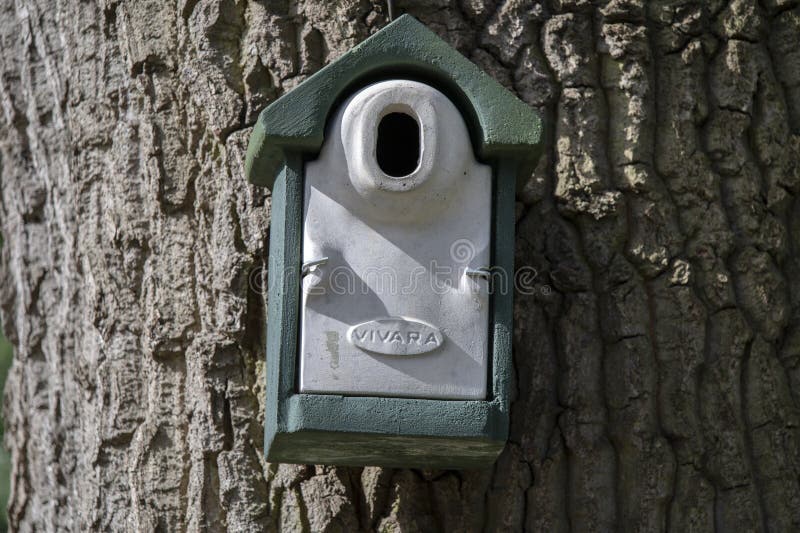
pixel 657 381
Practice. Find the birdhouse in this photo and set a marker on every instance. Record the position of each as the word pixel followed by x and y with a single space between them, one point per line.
pixel 393 172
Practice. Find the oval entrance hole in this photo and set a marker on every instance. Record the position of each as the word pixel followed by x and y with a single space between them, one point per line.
pixel 398 144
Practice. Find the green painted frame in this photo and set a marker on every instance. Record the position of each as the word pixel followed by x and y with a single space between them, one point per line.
pixel 381 431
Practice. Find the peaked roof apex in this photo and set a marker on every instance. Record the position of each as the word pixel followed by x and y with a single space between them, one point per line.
pixel 501 125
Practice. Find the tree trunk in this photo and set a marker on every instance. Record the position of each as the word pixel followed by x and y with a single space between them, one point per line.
pixel 657 363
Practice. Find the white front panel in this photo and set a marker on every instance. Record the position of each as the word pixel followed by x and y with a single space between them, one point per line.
pixel 394 311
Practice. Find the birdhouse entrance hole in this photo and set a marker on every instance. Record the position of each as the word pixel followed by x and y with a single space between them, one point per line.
pixel 398 144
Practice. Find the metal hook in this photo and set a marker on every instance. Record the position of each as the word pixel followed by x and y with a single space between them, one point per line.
pixel 307 266
pixel 482 272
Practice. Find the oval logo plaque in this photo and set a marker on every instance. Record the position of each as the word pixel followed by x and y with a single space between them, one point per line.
pixel 395 336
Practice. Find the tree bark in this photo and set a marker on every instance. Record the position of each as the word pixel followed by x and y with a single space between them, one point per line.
pixel 657 363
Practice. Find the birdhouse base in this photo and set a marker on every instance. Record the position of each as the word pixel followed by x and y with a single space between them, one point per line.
pixel 391 432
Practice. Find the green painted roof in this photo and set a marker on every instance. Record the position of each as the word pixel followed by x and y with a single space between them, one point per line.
pixel 501 124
